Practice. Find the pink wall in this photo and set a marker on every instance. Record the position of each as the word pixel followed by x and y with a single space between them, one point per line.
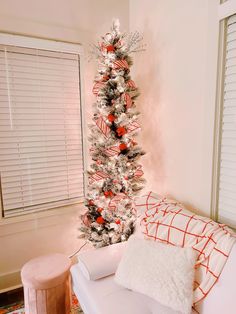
pixel 177 78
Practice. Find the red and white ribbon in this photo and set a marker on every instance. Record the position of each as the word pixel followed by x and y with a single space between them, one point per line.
pixel 120 64
pixel 112 151
pixel 133 127
pixel 127 100
pixel 139 172
pixel 101 124
pixel 102 47
pixel 97 87
pixel 131 84
pixel 97 176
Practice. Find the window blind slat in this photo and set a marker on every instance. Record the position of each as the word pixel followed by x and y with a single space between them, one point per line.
pixel 228 172
pixel 230 78
pixel 25 150
pixel 34 194
pixel 16 186
pixel 25 162
pixel 19 82
pixel 228 149
pixel 40 173
pixel 227 180
pixel 230 126
pixel 228 202
pixel 227 218
pixel 56 153
pixel 44 100
pixel 44 206
pixel 41 157
pixel 30 89
pixel 230 70
pixel 31 139
pixel 54 197
pixel 230 86
pixel 39 63
pixel 59 133
pixel 25 52
pixel 230 110
pixel 231 28
pixel 231 44
pixel 30 166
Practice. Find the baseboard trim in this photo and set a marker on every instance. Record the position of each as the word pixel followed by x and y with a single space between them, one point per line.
pixel 10 281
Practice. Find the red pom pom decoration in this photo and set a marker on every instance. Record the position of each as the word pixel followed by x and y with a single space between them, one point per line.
pixel 91 203
pixel 100 220
pixel 118 221
pixel 122 146
pixel 111 117
pixel 100 209
pixel 110 48
pixel 121 131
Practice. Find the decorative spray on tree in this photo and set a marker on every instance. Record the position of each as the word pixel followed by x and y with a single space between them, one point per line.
pixel 115 176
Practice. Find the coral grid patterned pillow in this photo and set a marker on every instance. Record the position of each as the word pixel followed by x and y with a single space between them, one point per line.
pixel 160 271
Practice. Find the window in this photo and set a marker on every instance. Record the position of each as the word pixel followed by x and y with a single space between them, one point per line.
pixel 41 150
pixel 224 170
pixel 227 178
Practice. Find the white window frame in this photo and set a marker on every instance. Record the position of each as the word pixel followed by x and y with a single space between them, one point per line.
pixel 225 10
pixel 58 46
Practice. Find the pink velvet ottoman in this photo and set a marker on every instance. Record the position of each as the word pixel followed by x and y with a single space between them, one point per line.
pixel 46 283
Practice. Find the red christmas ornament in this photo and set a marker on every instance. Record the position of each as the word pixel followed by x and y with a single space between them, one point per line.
pixel 105 78
pixel 110 48
pixel 118 221
pixel 108 193
pixel 121 131
pixel 111 117
pixel 100 209
pixel 100 220
pixel 122 146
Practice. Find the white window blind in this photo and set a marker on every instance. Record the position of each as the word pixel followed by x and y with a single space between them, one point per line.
pixel 227 180
pixel 41 156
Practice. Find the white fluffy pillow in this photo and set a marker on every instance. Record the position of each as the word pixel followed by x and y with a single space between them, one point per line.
pixel 163 272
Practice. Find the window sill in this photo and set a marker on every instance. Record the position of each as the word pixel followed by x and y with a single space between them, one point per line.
pixel 37 220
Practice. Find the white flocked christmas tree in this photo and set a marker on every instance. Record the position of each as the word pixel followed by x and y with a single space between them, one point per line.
pixel 115 176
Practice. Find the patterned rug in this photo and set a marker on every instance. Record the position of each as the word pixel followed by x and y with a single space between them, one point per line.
pixel 19 308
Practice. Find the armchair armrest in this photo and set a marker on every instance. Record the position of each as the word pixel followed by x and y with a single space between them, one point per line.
pixel 102 262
